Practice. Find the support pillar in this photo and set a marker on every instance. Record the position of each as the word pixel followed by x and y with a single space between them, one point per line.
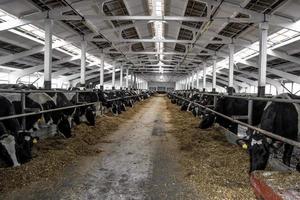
pixel 230 88
pixel 102 72
pixel 186 83
pixel 197 80
pixel 204 77
pixel 127 78
pixel 113 77
pixel 131 80
pixel 134 81
pixel 83 63
pixel 262 70
pixel 214 75
pixel 48 54
pixel 121 77
pixel 193 79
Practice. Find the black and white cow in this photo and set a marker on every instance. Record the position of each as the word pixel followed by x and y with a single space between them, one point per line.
pixel 283 119
pixel 15 146
pixel 86 114
pixel 37 102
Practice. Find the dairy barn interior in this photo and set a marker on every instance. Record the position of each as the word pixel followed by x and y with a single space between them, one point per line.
pixel 149 99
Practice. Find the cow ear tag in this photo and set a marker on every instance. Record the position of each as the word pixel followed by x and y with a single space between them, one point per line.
pixel 245 146
pixel 34 141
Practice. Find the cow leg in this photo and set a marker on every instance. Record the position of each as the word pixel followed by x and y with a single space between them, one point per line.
pixel 287 154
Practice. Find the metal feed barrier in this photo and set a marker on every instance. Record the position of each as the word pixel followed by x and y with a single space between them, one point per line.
pixel 23 103
pixel 249 116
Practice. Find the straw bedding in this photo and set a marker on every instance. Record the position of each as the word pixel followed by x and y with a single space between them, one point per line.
pixel 217 169
pixel 53 155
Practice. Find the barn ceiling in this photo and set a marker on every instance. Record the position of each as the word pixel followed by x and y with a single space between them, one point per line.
pixel 151 37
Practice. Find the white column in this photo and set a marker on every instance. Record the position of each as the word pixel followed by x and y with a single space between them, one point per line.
pixel 197 79
pixel 193 79
pixel 186 83
pixel 263 36
pixel 231 60
pixel 204 77
pixel 127 77
pixel 121 76
pixel 48 53
pixel 113 77
pixel 131 80
pixel 83 62
pixel 134 80
pixel 214 75
pixel 102 72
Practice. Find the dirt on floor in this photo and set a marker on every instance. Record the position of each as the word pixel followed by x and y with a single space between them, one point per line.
pixel 217 168
pixel 53 155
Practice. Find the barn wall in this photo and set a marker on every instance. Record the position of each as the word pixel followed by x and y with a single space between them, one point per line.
pixel 162 85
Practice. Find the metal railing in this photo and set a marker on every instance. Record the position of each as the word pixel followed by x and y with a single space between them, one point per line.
pixel 249 126
pixel 23 93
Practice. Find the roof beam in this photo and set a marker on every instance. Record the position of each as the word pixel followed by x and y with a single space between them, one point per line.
pixel 155 53
pixel 40 67
pixel 283 56
pixel 12 57
pixel 255 75
pixel 147 18
pixel 227 41
pixel 277 72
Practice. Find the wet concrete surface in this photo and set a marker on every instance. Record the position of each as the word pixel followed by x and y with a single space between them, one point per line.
pixel 140 161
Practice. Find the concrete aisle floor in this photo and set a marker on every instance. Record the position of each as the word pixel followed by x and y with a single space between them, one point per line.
pixel 140 161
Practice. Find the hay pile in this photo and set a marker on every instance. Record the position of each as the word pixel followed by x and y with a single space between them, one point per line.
pixel 219 170
pixel 53 155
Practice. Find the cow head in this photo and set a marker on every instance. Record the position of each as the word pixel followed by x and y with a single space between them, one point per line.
pixel 64 127
pixel 259 150
pixel 16 150
pixel 207 120
pixel 90 114
pixel 24 146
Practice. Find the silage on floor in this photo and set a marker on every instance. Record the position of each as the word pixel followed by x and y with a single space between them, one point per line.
pixel 217 168
pixel 53 155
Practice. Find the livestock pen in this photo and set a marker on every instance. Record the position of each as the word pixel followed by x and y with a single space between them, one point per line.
pixel 263 188
pixel 149 99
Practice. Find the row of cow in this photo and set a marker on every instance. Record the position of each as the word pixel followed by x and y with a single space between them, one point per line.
pixel 16 138
pixel 282 119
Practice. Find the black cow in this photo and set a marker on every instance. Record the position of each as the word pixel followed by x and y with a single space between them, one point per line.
pixel 232 107
pixel 281 119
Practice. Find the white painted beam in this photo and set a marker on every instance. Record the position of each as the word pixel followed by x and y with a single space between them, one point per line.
pixel 204 77
pixel 48 53
pixel 231 66
pixel 214 73
pixel 121 76
pixel 102 72
pixel 127 78
pixel 113 77
pixel 262 70
pixel 83 62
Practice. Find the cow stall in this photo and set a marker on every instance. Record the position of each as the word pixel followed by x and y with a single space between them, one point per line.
pixel 246 120
pixel 29 115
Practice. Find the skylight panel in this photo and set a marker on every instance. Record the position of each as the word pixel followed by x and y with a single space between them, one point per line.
pixel 38 35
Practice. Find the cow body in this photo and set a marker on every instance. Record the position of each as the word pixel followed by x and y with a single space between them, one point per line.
pixel 15 146
pixel 232 107
pixel 281 119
